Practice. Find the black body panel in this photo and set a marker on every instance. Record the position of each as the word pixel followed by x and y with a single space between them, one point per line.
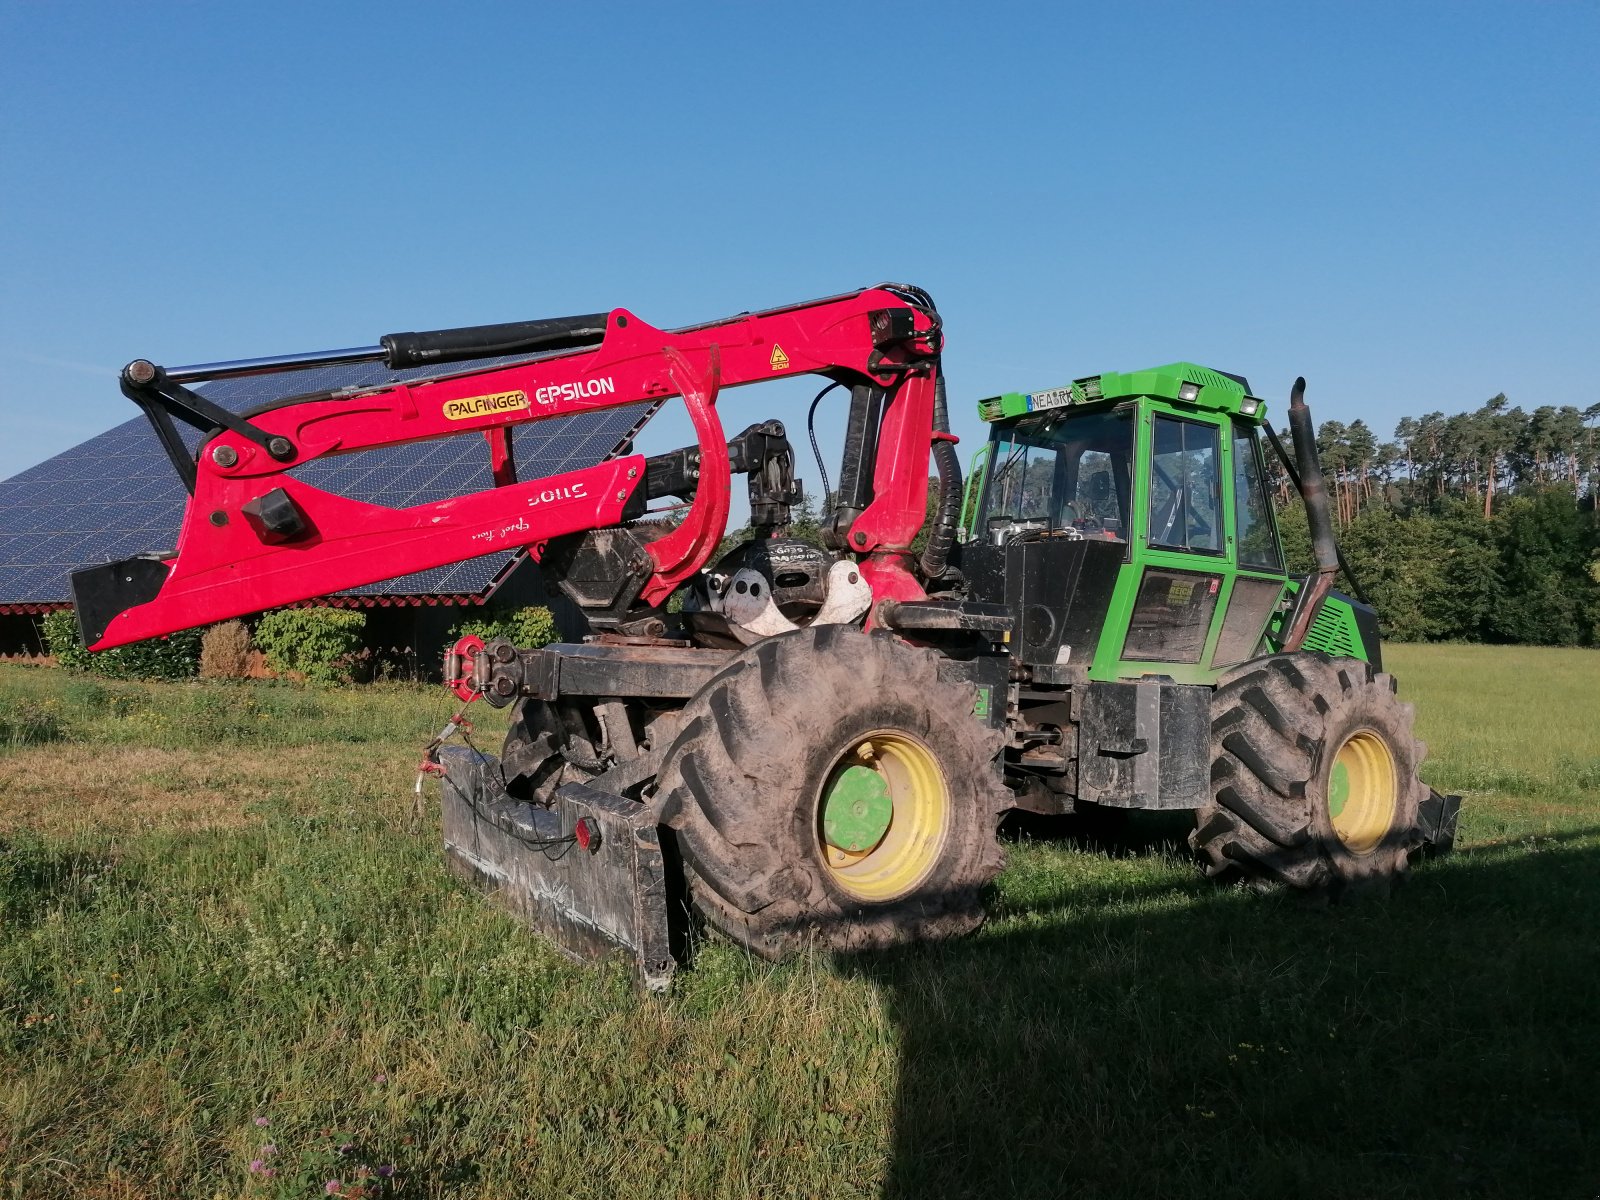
pixel 613 894
pixel 1145 744
pixel 1367 623
pixel 644 672
pixel 101 594
pixel 1058 590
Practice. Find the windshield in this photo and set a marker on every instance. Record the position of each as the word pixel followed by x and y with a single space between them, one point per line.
pixel 1062 472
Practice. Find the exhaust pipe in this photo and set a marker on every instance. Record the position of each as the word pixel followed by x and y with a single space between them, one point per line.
pixel 1315 494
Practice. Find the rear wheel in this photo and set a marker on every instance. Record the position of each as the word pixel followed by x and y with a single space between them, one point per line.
pixel 828 788
pixel 1314 777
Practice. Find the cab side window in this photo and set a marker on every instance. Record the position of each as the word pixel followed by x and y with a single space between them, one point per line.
pixel 1258 540
pixel 1185 487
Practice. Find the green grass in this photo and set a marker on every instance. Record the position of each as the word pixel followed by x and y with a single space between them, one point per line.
pixel 220 905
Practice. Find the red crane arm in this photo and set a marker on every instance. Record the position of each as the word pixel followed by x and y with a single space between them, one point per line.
pixel 254 536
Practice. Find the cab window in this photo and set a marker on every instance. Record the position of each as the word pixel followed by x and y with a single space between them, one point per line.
pixel 1062 473
pixel 1185 491
pixel 1258 540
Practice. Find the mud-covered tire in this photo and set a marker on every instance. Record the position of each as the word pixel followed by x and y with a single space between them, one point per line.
pixel 1282 727
pixel 744 782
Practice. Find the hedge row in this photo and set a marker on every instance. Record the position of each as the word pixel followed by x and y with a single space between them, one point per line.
pixel 321 644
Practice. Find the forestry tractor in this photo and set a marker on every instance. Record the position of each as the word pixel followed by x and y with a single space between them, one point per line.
pixel 814 745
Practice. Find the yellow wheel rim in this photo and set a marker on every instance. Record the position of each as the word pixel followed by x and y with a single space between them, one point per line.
pixel 1363 792
pixel 903 840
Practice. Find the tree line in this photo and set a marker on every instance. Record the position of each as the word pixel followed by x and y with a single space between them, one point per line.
pixel 1479 455
pixel 1476 526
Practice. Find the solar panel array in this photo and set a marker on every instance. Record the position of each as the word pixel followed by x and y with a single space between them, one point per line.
pixel 116 495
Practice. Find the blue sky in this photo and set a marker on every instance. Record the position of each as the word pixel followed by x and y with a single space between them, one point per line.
pixel 1399 201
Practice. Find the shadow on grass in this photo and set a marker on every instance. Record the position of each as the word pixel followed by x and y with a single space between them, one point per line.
pixel 1177 1041
pixel 1111 832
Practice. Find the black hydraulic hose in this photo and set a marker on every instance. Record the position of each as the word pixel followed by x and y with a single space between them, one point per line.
pixel 942 536
pixel 816 450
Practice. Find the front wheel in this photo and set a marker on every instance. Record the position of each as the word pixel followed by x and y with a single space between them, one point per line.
pixel 1314 777
pixel 828 788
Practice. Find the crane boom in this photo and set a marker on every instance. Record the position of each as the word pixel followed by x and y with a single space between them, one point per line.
pixel 255 536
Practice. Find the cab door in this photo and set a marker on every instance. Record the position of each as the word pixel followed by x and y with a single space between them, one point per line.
pixel 1258 581
pixel 1188 605
pixel 1170 597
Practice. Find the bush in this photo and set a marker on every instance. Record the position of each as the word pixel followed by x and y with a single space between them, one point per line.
pixel 525 628
pixel 62 640
pixel 225 651
pixel 176 656
pixel 318 643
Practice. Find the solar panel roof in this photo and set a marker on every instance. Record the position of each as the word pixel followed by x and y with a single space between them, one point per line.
pixel 116 494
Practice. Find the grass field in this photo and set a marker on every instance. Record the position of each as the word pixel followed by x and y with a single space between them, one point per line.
pixel 228 940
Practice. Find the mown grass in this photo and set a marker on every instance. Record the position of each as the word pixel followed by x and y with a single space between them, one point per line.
pixel 221 906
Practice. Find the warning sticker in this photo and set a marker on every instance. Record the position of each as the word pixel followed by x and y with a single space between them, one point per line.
pixel 779 360
pixel 482 406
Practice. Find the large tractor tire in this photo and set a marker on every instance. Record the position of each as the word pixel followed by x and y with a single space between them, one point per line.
pixel 829 789
pixel 1314 777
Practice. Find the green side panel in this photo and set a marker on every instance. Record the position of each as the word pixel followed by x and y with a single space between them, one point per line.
pixel 1335 632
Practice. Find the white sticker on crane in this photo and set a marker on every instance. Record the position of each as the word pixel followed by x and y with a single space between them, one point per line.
pixel 556 393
